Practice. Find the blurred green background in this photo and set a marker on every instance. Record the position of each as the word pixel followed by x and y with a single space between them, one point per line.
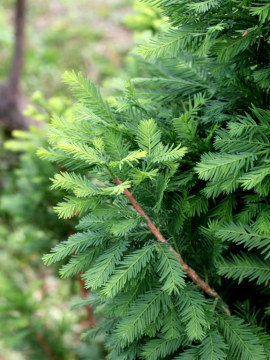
pixel 95 37
pixel 36 321
pixel 64 34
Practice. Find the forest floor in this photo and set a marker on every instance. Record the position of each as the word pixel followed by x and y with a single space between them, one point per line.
pixel 65 34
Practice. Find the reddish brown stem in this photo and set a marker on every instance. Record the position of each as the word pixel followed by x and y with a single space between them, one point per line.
pixel 187 269
pixel 17 63
pixel 44 345
pixel 88 309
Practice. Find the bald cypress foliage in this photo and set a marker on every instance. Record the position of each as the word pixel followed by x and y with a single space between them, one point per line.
pixel 170 181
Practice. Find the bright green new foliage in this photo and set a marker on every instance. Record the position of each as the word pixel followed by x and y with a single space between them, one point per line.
pixel 189 138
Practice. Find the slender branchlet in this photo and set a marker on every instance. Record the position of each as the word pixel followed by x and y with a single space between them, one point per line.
pixel 186 268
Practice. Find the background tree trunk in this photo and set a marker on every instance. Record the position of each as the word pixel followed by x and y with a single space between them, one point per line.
pixel 10 114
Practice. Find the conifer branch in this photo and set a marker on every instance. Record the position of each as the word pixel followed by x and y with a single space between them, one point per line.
pixel 88 308
pixel 84 294
pixel 186 268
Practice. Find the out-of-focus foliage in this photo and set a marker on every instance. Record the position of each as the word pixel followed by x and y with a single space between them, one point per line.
pixel 32 300
pixel 144 18
pixel 27 202
pixel 35 313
